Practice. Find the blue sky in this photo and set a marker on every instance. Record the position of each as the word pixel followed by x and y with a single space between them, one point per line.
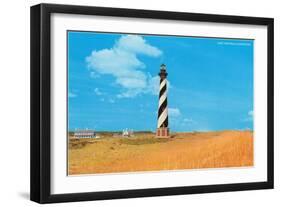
pixel 113 82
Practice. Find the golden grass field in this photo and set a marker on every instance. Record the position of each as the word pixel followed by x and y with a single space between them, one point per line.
pixel 144 152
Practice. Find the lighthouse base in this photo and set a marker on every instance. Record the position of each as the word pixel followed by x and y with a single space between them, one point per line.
pixel 162 132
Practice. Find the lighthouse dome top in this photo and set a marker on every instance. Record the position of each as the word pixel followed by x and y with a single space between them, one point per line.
pixel 163 73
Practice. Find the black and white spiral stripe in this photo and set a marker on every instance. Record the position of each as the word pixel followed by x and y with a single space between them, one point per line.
pixel 162 107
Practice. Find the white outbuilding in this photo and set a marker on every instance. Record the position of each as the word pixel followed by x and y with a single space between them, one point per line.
pixel 86 133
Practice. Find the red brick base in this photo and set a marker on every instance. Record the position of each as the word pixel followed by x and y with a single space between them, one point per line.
pixel 162 132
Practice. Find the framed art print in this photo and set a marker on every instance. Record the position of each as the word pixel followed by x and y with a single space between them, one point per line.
pixel 133 103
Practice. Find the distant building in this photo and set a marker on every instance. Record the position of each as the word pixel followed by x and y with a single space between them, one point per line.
pixel 127 133
pixel 80 134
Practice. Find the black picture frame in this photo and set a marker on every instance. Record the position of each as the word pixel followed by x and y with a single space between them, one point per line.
pixel 41 98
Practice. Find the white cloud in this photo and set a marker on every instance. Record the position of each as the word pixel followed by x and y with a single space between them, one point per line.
pixel 129 93
pixel 98 92
pixel 174 112
pixel 136 44
pixel 189 121
pixel 72 95
pixel 250 116
pixel 104 96
pixel 153 85
pixel 94 74
pixel 122 63
pixel 111 100
pixel 251 113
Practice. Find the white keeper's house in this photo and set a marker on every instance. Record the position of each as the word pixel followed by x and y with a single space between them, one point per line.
pixel 86 133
